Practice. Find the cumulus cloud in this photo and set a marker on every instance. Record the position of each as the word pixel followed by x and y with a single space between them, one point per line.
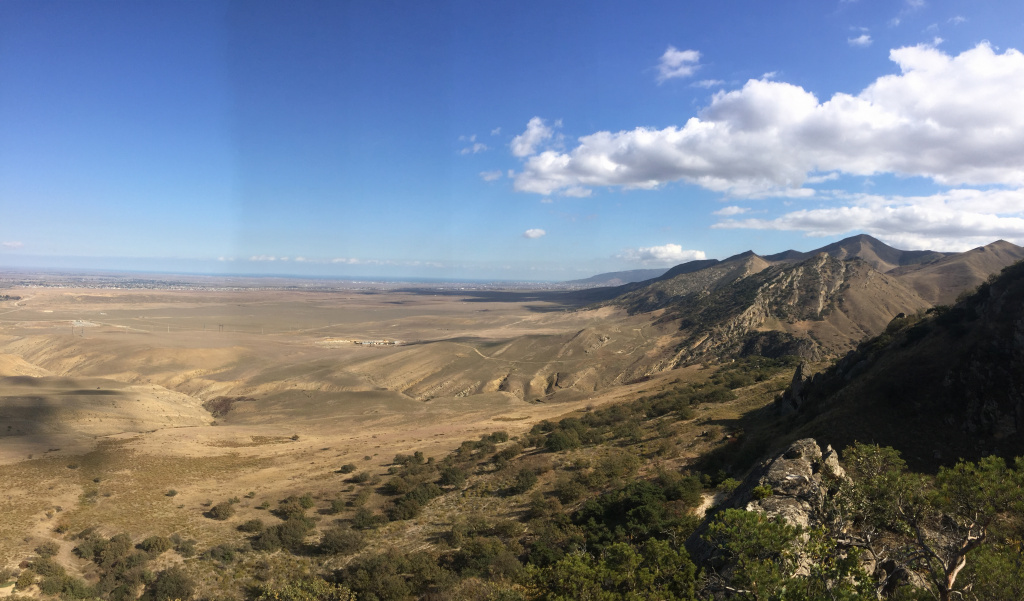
pixel 955 220
pixel 861 41
pixel 707 83
pixel 534 233
pixel 677 63
pixel 11 244
pixel 490 176
pixel 664 254
pixel 537 132
pixel 729 211
pixel 953 119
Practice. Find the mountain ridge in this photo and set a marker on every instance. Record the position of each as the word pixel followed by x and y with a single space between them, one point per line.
pixel 811 304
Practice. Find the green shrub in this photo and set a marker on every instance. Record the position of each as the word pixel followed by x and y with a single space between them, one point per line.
pixel 525 480
pixel 221 511
pixel 507 454
pixel 48 549
pixel 453 476
pixel 45 566
pixel 341 540
pixel 569 490
pixel 561 440
pixel 404 509
pixel 291 508
pixel 172 583
pixel 364 519
pixel 223 553
pixel 360 499
pixel 254 526
pixel 155 545
pixel 26 579
pixel 396 486
pixel 293 532
pixel 184 547
pixel 762 492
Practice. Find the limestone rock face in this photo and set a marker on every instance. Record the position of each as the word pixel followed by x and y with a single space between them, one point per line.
pixel 797 489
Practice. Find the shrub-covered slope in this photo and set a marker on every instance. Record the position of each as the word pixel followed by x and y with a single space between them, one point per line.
pixel 942 384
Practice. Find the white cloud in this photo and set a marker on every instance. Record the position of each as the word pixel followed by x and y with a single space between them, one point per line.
pixel 262 258
pixel 477 147
pixel 665 254
pixel 824 177
pixel 861 41
pixel 490 176
pixel 953 119
pixel 495 131
pixel 677 63
pixel 576 192
pixel 954 220
pixel 534 233
pixel 11 244
pixel 729 211
pixel 707 83
pixel 537 132
pixel 769 74
pixel 957 20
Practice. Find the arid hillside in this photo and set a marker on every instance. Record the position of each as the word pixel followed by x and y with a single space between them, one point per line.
pixel 813 304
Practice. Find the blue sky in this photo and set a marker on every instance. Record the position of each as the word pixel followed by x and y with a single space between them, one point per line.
pixel 501 140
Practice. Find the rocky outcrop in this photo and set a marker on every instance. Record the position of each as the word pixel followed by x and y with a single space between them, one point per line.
pixel 793 486
pixel 793 399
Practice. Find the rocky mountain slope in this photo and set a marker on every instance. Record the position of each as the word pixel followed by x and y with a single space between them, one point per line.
pixel 950 384
pixel 815 304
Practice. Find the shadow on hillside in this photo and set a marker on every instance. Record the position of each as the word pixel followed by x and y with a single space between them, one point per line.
pixel 750 438
pixel 470 340
pixel 554 300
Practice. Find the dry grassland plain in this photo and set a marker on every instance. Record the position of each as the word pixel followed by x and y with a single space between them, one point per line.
pixel 134 409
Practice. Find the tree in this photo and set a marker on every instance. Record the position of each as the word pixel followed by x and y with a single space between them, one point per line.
pixel 652 571
pixel 967 499
pixel 940 523
pixel 757 551
pixel 172 583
